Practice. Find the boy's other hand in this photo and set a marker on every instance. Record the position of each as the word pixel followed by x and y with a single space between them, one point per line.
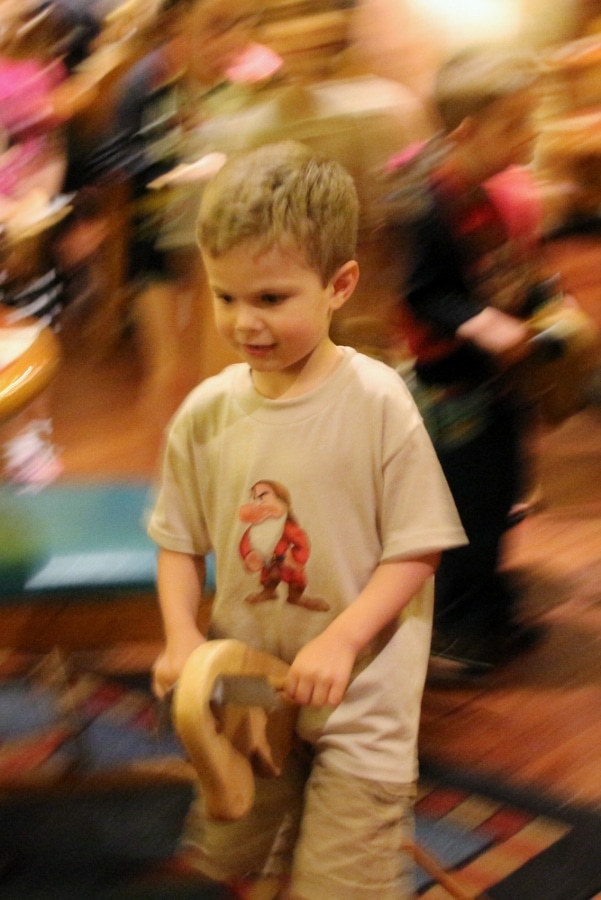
pixel 320 673
pixel 171 661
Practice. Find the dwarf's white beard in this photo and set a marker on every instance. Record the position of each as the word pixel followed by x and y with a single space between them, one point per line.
pixel 265 535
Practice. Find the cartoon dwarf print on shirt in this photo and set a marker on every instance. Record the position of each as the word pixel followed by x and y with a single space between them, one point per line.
pixel 275 546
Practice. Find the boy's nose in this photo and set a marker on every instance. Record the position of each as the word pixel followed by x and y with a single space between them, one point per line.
pixel 247 319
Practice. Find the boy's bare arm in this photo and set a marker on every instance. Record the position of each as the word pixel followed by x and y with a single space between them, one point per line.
pixel 180 578
pixel 321 670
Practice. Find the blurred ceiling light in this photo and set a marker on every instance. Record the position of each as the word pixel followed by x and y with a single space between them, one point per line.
pixel 473 21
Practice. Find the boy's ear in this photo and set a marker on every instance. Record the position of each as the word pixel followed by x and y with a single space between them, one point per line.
pixel 344 283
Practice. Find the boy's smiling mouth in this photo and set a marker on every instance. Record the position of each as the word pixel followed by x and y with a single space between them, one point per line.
pixel 258 349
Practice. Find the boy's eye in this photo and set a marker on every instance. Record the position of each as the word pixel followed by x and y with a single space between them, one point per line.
pixel 271 299
pixel 225 298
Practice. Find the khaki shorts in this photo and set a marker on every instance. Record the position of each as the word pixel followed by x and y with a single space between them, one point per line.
pixel 340 836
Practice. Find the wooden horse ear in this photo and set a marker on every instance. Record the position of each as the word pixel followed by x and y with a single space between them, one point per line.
pixel 229 746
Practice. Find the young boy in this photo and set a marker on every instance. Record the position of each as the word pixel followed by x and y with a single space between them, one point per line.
pixel 307 470
pixel 474 281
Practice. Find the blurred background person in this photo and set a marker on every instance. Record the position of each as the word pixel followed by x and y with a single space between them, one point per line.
pixel 32 168
pixel 182 80
pixel 474 281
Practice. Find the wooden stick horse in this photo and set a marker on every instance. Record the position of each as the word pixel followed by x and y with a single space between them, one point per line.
pixel 228 745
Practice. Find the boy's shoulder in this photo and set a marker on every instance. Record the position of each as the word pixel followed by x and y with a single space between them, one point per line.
pixel 367 366
pixel 211 390
pixel 375 378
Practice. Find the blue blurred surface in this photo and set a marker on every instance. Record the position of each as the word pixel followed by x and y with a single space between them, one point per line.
pixel 70 538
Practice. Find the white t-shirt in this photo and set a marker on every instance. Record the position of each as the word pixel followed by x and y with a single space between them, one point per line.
pixel 334 482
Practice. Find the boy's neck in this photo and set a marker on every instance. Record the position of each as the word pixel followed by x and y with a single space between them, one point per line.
pixel 308 374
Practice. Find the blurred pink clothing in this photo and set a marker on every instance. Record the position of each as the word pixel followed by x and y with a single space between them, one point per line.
pixel 513 192
pixel 516 195
pixel 26 115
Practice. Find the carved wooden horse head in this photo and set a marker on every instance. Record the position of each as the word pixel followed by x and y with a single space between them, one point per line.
pixel 229 745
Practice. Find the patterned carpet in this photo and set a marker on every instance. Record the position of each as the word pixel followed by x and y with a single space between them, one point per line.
pixel 532 849
pixel 93 800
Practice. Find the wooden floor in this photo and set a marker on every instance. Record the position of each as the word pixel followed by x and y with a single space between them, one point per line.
pixel 538 721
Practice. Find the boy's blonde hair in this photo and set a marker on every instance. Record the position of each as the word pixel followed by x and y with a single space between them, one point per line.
pixel 471 81
pixel 282 194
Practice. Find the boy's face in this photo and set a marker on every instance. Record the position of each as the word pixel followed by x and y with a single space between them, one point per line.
pixel 504 134
pixel 274 311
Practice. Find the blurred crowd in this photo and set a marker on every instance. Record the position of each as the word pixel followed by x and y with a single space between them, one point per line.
pixel 96 99
pixel 111 118
pixel 113 113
